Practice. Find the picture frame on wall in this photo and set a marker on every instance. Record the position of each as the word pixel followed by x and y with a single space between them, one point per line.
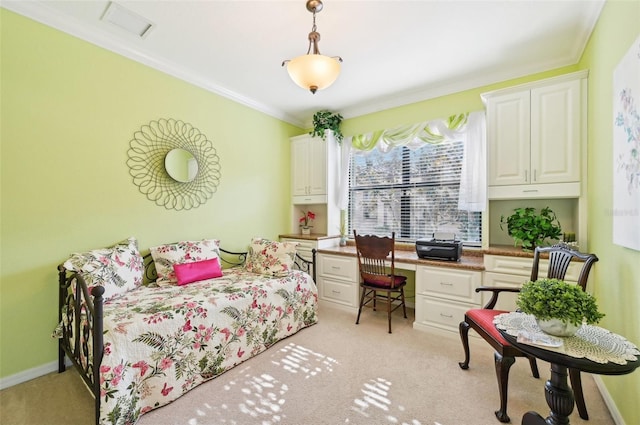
pixel 626 149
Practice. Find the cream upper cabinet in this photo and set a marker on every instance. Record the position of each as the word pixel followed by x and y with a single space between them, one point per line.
pixel 508 138
pixel 555 133
pixel 534 139
pixel 308 170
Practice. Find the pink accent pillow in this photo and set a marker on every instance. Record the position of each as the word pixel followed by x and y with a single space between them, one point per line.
pixel 198 270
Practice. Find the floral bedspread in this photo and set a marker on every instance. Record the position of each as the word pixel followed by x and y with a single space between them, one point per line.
pixel 159 343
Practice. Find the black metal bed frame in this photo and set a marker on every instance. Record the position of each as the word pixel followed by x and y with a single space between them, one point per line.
pixel 71 310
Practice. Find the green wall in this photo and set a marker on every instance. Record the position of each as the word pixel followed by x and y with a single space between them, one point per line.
pixel 617 275
pixel 68 112
pixel 70 108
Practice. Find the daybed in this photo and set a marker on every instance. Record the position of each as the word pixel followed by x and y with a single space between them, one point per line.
pixel 140 345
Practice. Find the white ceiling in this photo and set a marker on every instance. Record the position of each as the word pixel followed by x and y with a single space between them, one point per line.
pixel 395 52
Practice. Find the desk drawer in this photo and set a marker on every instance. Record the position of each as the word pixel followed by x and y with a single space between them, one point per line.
pixel 340 292
pixel 339 267
pixel 303 244
pixel 448 283
pixel 506 300
pixel 521 266
pixel 305 253
pixel 440 314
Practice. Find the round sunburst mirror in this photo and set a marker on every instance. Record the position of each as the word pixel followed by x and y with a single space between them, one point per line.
pixel 174 164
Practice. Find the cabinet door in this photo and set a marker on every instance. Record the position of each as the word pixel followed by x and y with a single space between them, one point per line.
pixel 555 133
pixel 508 139
pixel 317 166
pixel 299 167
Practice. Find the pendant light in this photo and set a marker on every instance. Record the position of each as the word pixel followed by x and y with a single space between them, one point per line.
pixel 313 71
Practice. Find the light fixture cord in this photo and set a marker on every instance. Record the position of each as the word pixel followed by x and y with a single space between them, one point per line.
pixel 314 37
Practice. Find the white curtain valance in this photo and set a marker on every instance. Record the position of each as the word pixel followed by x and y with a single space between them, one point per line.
pixel 470 128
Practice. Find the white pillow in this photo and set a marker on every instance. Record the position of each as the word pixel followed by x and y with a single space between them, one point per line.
pixel 117 268
pixel 271 258
pixel 165 256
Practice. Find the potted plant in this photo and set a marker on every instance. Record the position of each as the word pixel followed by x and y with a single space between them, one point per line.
pixel 531 229
pixel 305 222
pixel 326 120
pixel 559 307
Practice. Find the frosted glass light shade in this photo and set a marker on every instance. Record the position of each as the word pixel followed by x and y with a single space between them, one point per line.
pixel 313 72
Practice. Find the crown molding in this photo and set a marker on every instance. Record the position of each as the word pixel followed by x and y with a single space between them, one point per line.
pixel 40 12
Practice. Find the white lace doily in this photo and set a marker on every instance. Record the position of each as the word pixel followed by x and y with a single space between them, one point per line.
pixel 590 342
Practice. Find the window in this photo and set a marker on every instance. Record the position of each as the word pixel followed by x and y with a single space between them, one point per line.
pixel 413 192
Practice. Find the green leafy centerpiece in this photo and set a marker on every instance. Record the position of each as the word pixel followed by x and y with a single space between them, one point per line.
pixel 560 308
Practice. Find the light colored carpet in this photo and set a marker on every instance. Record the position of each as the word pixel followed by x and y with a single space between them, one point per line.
pixel 334 372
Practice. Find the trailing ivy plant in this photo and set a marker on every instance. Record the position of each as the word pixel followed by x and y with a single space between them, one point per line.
pixel 531 229
pixel 326 120
pixel 556 299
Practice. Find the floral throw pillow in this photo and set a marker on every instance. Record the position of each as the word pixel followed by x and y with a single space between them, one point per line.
pixel 165 256
pixel 271 258
pixel 117 268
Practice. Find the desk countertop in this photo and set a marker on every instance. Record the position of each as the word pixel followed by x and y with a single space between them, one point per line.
pixel 469 261
pixel 310 237
pixel 472 259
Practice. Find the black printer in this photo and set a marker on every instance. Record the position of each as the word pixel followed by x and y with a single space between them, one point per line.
pixel 442 246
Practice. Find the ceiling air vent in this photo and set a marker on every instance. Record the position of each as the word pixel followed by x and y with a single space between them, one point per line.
pixel 127 20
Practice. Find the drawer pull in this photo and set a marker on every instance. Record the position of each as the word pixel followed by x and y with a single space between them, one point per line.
pixel 334 291
pixel 446 284
pixel 335 267
pixel 448 316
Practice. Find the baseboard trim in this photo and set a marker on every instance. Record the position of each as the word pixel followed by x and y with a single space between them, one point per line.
pixel 30 374
pixel 611 405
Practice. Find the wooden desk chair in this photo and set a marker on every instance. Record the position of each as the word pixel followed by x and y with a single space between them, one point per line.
pixel 481 320
pixel 377 280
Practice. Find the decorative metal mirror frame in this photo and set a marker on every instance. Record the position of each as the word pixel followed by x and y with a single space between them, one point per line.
pixel 147 151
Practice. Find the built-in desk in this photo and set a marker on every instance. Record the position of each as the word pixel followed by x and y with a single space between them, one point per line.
pixel 445 290
pixel 408 259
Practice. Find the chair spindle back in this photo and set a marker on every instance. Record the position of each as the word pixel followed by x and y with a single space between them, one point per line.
pixel 560 256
